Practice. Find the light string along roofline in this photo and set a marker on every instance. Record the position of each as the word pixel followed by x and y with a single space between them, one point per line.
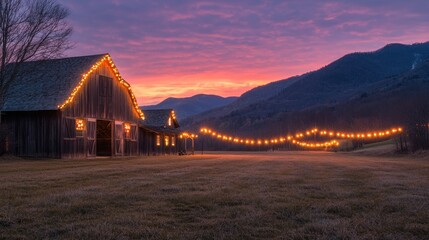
pixel 94 67
pixel 188 135
pixel 295 139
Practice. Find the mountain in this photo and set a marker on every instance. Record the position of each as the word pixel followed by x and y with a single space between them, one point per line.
pixel 354 76
pixel 189 106
pixel 398 100
pixel 250 97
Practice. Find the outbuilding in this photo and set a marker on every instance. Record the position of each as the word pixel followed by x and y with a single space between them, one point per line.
pixel 159 132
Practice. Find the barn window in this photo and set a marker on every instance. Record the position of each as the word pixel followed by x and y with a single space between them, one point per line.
pixel 166 140
pixel 173 141
pixel 169 121
pixel 158 140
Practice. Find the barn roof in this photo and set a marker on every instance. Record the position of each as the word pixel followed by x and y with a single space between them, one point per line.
pixel 161 129
pixel 45 84
pixel 158 117
pixel 52 84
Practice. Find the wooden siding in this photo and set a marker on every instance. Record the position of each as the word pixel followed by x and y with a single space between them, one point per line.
pixel 34 133
pixel 148 143
pixel 102 97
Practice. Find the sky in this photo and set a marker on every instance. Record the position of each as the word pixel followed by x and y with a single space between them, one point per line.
pixel 179 48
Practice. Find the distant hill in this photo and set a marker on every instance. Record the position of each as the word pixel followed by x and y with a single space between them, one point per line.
pixel 355 80
pixel 189 106
pixel 398 100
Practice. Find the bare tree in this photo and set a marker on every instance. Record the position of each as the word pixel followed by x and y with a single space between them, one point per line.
pixel 418 128
pixel 30 30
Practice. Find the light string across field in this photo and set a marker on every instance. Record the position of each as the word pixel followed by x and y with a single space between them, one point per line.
pixel 296 138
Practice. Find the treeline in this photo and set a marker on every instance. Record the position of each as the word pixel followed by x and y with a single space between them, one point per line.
pixel 408 109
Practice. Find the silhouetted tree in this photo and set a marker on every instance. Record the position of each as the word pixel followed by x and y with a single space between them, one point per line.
pixel 419 126
pixel 29 30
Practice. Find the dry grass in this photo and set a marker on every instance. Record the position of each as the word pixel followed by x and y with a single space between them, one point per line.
pixel 290 195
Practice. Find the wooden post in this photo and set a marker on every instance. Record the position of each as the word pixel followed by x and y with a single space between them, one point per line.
pixel 193 145
pixel 202 146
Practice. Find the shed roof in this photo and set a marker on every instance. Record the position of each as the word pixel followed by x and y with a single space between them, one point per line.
pixel 158 117
pixel 45 84
pixel 161 129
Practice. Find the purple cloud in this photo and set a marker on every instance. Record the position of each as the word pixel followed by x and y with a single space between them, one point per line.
pixel 178 48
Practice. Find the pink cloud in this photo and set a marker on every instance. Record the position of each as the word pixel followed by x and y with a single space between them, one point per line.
pixel 179 48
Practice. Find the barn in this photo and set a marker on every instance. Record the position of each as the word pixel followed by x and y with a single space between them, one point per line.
pixel 71 107
pixel 159 132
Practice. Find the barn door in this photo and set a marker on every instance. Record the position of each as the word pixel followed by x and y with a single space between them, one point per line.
pixel 69 140
pixel 91 131
pixel 104 138
pixel 132 151
pixel 119 138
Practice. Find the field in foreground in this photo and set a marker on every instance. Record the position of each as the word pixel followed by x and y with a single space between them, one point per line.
pixel 285 195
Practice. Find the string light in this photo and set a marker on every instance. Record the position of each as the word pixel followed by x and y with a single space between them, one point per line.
pixel 299 135
pixel 94 67
pixel 331 143
pixel 127 129
pixel 351 135
pixel 188 135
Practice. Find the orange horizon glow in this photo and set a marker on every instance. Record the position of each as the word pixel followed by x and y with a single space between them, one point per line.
pixel 155 91
pixel 182 48
pixel 156 88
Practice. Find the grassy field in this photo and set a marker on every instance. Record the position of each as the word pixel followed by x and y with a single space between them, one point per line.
pixel 283 195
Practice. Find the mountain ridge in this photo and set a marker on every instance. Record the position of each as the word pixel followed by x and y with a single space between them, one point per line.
pixel 340 81
pixel 189 106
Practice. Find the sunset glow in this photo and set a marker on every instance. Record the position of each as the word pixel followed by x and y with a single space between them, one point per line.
pixel 181 48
